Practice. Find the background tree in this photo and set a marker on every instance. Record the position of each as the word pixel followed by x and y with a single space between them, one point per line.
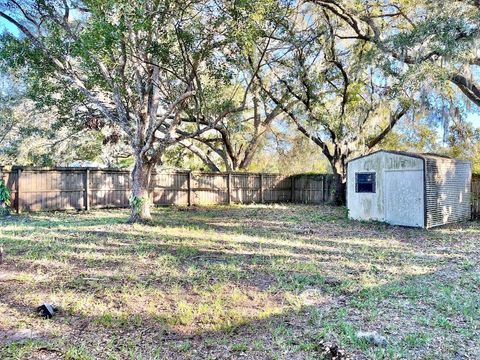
pixel 438 41
pixel 345 103
pixel 210 84
pixel 34 136
pixel 9 123
pixel 233 143
pixel 289 152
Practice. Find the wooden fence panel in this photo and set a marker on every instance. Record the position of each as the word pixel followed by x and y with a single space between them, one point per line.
pixel 108 188
pixel 245 188
pixel 74 188
pixel 277 188
pixel 170 189
pixel 313 189
pixel 50 190
pixel 210 188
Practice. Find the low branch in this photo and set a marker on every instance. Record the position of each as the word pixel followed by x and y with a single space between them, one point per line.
pixel 300 127
pixel 468 88
pixel 394 118
pixel 201 154
pixel 151 135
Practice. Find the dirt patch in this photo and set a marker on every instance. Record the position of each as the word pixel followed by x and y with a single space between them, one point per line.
pixel 18 335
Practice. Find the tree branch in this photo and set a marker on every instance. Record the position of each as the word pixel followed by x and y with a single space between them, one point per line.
pixel 394 118
pixel 470 89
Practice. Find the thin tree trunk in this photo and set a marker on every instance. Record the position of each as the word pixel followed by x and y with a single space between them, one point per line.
pixel 338 196
pixel 140 197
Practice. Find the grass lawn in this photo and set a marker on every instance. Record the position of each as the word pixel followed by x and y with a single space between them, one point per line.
pixel 240 282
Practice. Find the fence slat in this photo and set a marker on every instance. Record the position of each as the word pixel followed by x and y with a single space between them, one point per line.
pixel 190 202
pixel 262 198
pixel 86 198
pixel 19 206
pixel 229 188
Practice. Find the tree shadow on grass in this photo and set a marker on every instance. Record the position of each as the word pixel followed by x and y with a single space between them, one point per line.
pixel 191 274
pixel 424 306
pixel 275 263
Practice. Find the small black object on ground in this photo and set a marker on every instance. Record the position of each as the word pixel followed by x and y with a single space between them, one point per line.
pixel 47 310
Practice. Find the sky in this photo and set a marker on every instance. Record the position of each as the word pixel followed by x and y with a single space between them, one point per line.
pixel 7 26
pixel 474 118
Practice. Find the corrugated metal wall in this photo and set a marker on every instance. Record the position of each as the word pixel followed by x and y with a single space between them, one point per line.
pixel 448 186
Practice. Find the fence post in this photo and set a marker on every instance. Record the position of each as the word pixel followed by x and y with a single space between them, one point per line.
pixel 229 188
pixel 292 188
pixel 328 190
pixel 19 206
pixel 323 188
pixel 189 184
pixel 5 181
pixel 262 199
pixel 86 186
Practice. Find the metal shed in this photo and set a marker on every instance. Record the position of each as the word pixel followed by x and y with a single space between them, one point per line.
pixel 409 189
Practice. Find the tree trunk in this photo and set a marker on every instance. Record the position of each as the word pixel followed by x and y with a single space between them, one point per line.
pixel 338 196
pixel 140 197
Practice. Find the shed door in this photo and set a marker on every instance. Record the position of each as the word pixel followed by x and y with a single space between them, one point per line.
pixel 404 197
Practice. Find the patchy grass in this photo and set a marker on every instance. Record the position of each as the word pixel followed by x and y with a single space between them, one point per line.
pixel 255 282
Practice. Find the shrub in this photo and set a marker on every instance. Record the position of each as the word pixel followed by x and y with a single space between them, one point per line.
pixel 5 199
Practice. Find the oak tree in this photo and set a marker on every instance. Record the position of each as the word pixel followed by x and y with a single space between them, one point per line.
pixel 143 66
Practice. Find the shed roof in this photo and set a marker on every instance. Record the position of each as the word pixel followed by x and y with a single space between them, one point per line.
pixel 415 155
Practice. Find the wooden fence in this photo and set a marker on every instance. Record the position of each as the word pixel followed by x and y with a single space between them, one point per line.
pixel 475 196
pixel 75 188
